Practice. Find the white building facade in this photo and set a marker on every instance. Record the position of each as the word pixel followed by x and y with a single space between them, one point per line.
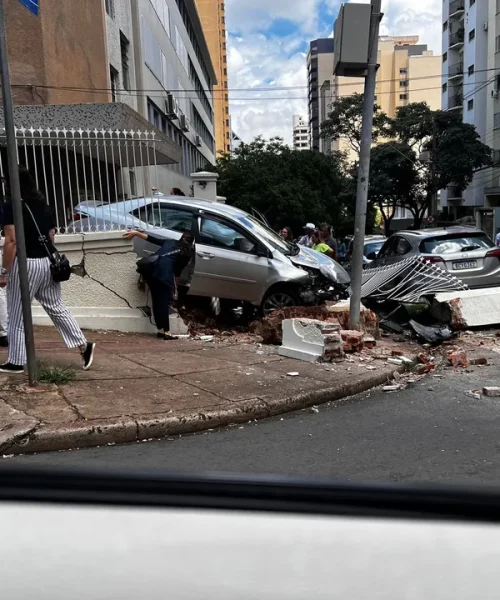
pixel 471 59
pixel 300 133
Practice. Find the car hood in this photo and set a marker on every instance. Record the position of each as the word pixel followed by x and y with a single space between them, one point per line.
pixel 330 268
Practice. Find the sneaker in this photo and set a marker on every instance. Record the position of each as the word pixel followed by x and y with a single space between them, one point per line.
pixel 11 368
pixel 88 356
pixel 4 342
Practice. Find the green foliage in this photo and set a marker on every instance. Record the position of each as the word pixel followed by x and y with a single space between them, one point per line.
pixel 344 121
pixel 399 177
pixel 57 375
pixel 289 187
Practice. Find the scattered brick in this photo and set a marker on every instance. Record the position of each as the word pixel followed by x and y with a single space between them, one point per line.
pixel 423 369
pixel 492 392
pixel 482 360
pixel 353 340
pixel 458 358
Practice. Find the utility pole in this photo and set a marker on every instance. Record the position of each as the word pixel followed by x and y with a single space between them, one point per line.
pixel 433 167
pixel 17 206
pixel 364 166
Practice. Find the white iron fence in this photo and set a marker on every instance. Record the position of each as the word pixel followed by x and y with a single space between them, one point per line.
pixel 98 167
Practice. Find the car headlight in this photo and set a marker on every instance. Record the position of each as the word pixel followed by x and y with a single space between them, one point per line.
pixel 329 272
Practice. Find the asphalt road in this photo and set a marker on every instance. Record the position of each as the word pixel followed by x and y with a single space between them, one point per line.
pixel 431 432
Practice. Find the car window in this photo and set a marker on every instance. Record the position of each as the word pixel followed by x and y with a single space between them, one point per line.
pixel 169 217
pixel 454 243
pixel 222 235
pixel 387 248
pixel 373 247
pixel 401 247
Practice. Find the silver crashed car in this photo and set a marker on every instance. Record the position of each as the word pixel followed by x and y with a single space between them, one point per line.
pixel 238 257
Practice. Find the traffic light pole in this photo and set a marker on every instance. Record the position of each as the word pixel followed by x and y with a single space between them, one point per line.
pixel 17 207
pixel 364 168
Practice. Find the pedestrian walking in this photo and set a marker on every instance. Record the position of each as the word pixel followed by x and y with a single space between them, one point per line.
pixel 39 231
pixel 163 273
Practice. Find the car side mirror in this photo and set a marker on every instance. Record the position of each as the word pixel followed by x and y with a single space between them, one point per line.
pixel 371 256
pixel 264 252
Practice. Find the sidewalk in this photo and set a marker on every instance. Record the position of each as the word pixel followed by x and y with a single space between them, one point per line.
pixel 142 388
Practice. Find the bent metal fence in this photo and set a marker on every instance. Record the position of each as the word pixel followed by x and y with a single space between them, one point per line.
pixel 98 167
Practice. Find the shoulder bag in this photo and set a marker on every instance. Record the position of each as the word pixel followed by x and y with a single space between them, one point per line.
pixel 59 263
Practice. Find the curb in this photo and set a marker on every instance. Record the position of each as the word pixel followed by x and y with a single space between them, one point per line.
pixel 126 429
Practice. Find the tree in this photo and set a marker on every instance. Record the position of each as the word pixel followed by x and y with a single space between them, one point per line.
pixel 454 150
pixel 394 179
pixel 289 187
pixel 345 119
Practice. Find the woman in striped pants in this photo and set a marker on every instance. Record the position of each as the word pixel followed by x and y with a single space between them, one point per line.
pixel 41 284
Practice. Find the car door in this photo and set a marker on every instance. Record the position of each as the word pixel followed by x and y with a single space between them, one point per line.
pixel 230 262
pixel 395 249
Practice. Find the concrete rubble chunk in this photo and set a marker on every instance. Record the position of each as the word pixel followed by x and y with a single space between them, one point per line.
pixel 470 308
pixel 311 340
pixel 368 320
pixel 492 392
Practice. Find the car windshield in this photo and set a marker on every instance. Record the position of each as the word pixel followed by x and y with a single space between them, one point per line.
pixel 271 237
pixel 373 247
pixel 452 244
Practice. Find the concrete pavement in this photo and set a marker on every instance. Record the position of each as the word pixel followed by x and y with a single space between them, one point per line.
pixel 431 432
pixel 142 388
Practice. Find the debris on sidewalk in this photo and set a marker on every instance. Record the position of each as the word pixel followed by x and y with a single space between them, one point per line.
pixel 432 335
pixel 270 328
pixel 480 361
pixel 311 340
pixel 352 340
pixel 458 358
pixel 368 320
pixel 469 308
pixel 476 394
pixel 492 392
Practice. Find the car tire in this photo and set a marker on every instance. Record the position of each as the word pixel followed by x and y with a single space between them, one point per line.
pixel 279 297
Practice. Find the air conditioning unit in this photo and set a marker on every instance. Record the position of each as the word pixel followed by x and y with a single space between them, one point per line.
pixel 183 123
pixel 197 141
pixel 495 94
pixel 171 107
pixel 485 26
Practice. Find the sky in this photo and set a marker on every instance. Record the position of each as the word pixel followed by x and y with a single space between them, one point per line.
pixel 267 47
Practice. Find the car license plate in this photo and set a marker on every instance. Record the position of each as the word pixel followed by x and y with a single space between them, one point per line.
pixel 464 264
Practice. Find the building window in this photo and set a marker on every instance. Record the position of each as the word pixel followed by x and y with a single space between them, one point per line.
pixel 110 8
pixel 113 76
pixel 496 121
pixel 445 25
pixel 445 56
pixel 445 87
pixel 161 9
pixel 403 96
pixel 375 98
pixel 403 71
pixel 471 70
pixel 497 43
pixel 403 84
pixel 470 104
pixel 472 34
pixel 124 48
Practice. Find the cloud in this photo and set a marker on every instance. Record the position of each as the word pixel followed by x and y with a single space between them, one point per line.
pixel 267 46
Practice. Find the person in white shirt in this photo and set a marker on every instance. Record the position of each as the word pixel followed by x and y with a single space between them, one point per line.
pixel 306 239
pixel 497 238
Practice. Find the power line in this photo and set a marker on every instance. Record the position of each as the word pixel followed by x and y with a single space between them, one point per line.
pixel 443 76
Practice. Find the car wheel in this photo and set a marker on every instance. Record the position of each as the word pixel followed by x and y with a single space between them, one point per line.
pixel 277 299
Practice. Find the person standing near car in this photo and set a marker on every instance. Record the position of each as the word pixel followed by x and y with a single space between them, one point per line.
pixel 39 231
pixel 3 297
pixel 163 273
pixel 327 232
pixel 306 239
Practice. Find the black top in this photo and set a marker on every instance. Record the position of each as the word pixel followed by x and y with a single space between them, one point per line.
pixel 180 259
pixel 45 221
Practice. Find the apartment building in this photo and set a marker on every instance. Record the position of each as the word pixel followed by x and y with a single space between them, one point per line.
pixel 471 63
pixel 174 68
pixel 213 19
pixel 319 70
pixel 300 133
pixel 408 72
pixel 149 55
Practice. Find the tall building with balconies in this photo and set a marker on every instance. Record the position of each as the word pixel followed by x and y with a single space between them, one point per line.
pixel 319 70
pixel 471 88
pixel 300 133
